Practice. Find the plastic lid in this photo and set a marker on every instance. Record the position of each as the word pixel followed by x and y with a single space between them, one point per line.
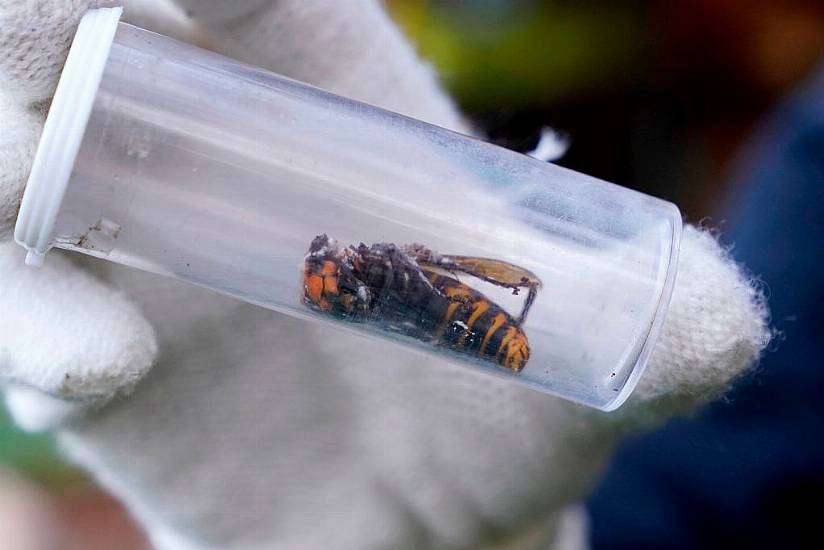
pixel 63 131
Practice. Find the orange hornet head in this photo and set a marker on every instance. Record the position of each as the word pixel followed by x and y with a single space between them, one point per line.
pixel 321 285
pixel 320 273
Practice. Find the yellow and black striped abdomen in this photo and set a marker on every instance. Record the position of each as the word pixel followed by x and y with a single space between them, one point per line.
pixel 474 324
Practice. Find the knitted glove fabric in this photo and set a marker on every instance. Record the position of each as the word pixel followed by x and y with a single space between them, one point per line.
pixel 254 430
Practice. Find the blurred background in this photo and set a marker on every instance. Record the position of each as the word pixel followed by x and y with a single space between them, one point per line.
pixel 660 96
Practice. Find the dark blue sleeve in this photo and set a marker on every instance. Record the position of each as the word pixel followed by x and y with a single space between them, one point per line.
pixel 749 469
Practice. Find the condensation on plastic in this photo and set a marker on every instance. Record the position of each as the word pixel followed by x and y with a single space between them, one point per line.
pixel 204 169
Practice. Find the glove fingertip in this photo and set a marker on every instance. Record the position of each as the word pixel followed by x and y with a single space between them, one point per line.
pixel 68 334
pixel 35 411
pixel 716 328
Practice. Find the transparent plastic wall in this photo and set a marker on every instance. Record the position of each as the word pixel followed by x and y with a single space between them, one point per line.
pixel 201 168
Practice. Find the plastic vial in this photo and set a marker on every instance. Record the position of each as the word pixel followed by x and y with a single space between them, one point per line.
pixel 172 159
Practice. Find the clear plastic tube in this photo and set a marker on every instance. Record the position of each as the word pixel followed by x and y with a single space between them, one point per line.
pixel 195 166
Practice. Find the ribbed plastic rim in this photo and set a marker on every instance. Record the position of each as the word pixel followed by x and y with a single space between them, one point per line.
pixel 63 131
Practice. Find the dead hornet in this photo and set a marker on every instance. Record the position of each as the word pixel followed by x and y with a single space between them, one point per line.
pixel 412 290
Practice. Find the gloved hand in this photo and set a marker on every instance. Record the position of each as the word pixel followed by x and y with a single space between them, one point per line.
pixel 224 425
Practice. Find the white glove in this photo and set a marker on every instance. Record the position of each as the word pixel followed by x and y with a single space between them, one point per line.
pixel 256 430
